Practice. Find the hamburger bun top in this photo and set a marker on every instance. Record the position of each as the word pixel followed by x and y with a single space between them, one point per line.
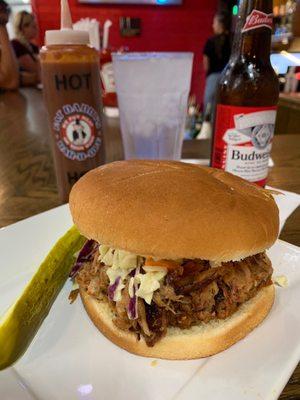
pixel 172 210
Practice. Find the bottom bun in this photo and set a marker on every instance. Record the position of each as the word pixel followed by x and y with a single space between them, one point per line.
pixel 184 344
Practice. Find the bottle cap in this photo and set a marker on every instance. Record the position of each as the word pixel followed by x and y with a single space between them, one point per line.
pixel 66 34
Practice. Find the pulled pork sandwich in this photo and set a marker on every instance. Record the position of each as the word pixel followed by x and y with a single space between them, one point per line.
pixel 175 264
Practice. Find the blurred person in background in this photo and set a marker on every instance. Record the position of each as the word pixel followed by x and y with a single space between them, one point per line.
pixel 216 54
pixel 26 51
pixel 9 74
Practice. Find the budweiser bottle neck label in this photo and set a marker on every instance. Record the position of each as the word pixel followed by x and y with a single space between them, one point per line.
pixel 258 19
pixel 243 141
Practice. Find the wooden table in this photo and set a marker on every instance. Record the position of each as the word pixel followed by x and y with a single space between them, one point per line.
pixel 27 180
pixel 288 115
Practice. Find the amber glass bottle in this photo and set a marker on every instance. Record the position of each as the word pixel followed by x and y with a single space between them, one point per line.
pixel 247 97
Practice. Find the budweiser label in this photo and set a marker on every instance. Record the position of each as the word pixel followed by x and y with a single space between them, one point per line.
pixel 258 19
pixel 243 141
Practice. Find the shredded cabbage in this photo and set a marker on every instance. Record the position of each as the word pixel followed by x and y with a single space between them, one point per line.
pixel 124 265
pixel 132 308
pixel 131 287
pixel 148 284
pixel 115 290
pixel 86 254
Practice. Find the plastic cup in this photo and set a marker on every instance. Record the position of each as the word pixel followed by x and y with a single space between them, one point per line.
pixel 152 90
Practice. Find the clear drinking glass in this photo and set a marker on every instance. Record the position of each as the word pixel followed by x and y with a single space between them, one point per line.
pixel 152 91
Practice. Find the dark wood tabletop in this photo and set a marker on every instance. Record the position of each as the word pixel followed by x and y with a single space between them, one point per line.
pixel 27 179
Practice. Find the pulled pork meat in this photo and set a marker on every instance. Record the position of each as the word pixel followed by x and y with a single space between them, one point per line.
pixel 192 293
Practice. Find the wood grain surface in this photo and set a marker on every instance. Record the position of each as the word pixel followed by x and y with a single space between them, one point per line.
pixel 27 179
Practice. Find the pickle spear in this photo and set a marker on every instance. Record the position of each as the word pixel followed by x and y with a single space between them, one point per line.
pixel 22 320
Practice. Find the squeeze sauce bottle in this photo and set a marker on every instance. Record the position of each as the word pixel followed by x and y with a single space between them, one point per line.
pixel 72 93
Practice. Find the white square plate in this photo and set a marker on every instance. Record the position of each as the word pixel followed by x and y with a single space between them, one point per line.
pixel 69 359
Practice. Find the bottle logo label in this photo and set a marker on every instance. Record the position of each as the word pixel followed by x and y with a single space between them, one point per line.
pixel 77 131
pixel 258 19
pixel 243 141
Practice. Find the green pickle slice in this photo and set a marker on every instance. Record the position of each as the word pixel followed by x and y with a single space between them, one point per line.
pixel 22 320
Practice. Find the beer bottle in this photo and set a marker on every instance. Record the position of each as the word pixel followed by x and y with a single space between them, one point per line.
pixel 247 97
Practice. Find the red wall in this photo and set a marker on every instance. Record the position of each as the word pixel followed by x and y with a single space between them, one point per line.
pixel 177 28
